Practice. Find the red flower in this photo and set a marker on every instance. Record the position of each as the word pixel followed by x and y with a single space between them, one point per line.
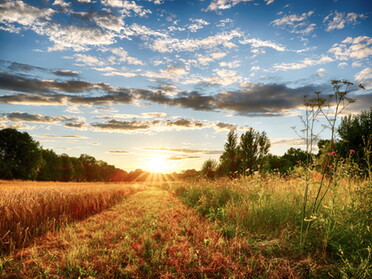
pixel 135 246
pixel 352 151
pixel 333 153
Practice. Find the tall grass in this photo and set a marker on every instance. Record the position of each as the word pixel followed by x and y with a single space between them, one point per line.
pixel 268 209
pixel 29 209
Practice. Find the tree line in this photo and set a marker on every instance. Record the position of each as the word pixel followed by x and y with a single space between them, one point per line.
pixel 21 157
pixel 249 153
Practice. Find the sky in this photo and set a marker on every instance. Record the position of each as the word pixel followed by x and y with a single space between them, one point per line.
pixel 157 84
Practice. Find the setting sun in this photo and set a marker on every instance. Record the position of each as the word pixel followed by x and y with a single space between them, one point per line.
pixel 157 164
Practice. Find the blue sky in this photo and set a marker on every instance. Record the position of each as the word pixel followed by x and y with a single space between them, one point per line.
pixel 149 83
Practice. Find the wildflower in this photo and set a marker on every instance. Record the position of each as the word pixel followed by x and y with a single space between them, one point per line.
pixel 135 246
pixel 352 151
pixel 333 152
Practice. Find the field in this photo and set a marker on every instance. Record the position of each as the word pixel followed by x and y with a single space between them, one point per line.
pixel 246 228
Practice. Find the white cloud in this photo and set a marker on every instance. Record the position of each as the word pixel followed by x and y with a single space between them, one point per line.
pixel 172 72
pixel 141 30
pixel 227 4
pixel 321 72
pixel 356 64
pixel 365 77
pixel 110 22
pixel 352 48
pixel 197 24
pixel 221 77
pixel 127 7
pixel 23 14
pixel 307 62
pixel 122 74
pixel 61 3
pixel 205 60
pixel 337 21
pixel 88 60
pixel 76 37
pixel 122 56
pixel 257 43
pixel 296 24
pixel 342 65
pixel 174 44
pixel 255 68
pixel 231 65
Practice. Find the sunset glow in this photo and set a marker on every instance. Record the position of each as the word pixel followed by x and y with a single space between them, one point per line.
pixel 157 164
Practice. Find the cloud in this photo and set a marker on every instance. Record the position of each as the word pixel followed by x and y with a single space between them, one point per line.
pixel 186 150
pixel 342 65
pixel 257 43
pixel 365 77
pixel 231 65
pixel 65 73
pixel 182 157
pixel 117 125
pixel 227 4
pixel 78 38
pixel 264 99
pixel 122 56
pixel 60 137
pixel 321 72
pixel 296 24
pixel 352 48
pixel 14 66
pixel 159 125
pixel 127 7
pixel 38 118
pixel 307 62
pixel 170 45
pixel 337 21
pixel 18 12
pixel 197 24
pixel 119 152
pixel 288 141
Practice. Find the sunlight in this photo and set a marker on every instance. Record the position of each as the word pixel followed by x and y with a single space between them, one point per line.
pixel 157 164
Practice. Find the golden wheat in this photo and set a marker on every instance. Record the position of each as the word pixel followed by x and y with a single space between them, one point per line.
pixel 29 208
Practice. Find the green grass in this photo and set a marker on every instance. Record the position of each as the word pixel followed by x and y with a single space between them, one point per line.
pixel 266 212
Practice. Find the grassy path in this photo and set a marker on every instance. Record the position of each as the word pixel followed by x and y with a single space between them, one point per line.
pixel 149 235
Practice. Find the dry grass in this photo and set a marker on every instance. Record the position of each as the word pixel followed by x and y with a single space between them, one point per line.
pixel 29 208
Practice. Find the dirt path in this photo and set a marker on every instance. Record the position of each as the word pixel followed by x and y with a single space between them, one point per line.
pixel 149 235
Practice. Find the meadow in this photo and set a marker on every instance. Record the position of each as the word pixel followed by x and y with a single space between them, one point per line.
pixel 242 228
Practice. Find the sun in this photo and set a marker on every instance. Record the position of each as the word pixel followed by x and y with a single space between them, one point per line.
pixel 157 164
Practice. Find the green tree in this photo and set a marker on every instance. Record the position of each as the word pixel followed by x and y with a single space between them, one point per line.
pixel 68 170
pixel 91 169
pixel 355 131
pixel 20 154
pixel 209 168
pixel 51 168
pixel 253 147
pixel 296 156
pixel 276 163
pixel 230 159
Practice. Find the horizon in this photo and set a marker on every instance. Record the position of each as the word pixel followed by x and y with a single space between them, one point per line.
pixel 157 85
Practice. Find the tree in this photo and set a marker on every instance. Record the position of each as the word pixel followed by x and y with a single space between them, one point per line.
pixel 276 163
pixel 209 168
pixel 51 168
pixel 355 131
pixel 253 147
pixel 68 170
pixel 296 156
pixel 230 159
pixel 20 154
